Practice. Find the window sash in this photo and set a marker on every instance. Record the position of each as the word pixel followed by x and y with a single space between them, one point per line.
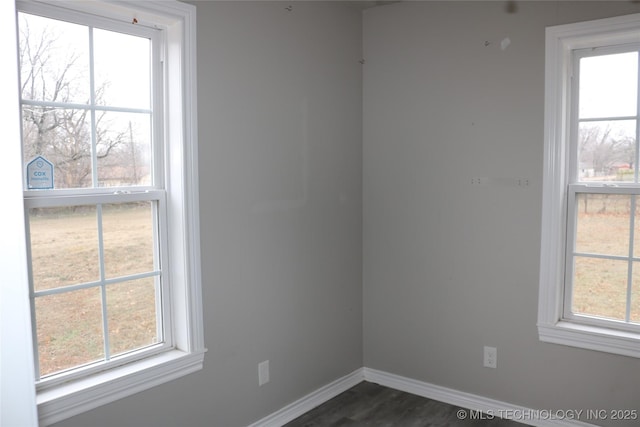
pixel 573 192
pixel 154 34
pixel 163 303
pixel 577 55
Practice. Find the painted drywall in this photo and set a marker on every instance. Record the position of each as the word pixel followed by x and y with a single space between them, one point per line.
pixel 279 100
pixel 449 266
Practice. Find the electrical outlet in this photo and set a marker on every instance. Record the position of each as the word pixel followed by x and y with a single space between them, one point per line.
pixel 263 373
pixel 490 357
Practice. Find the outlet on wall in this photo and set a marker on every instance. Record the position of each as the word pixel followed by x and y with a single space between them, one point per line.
pixel 263 373
pixel 490 357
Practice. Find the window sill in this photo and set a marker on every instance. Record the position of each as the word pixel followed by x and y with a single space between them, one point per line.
pixel 591 337
pixel 74 397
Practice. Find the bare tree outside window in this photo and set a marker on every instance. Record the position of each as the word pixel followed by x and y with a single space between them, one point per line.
pixel 606 150
pixel 55 74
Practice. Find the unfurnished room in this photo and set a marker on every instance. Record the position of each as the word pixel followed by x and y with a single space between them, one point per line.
pixel 320 213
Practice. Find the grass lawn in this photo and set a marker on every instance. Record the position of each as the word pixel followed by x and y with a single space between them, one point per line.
pixel 600 287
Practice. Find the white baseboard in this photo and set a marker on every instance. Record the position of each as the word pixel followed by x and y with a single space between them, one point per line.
pixel 310 401
pixel 474 404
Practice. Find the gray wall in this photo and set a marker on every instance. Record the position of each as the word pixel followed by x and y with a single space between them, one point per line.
pixel 280 145
pixel 450 267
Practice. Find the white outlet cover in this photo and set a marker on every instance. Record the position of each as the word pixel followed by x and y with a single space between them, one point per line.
pixel 490 357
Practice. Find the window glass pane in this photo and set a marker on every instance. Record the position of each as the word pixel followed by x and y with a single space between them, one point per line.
pixel 124 149
pixel 122 68
pixel 54 60
pixel 600 287
pixel 64 246
pixel 128 237
pixel 608 85
pixel 636 233
pixel 131 308
pixel 603 224
pixel 69 329
pixel 63 137
pixel 606 150
pixel 635 294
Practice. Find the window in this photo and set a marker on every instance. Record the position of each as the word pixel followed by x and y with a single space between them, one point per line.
pixel 590 259
pixel 110 198
pixel 94 195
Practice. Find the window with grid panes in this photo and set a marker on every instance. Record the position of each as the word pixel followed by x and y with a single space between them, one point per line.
pixel 112 312
pixel 88 99
pixel 590 259
pixel 603 231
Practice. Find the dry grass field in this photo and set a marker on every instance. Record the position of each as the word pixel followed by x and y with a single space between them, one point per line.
pixel 64 246
pixel 601 285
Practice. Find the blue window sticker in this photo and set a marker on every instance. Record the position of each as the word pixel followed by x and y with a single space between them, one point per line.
pixel 39 174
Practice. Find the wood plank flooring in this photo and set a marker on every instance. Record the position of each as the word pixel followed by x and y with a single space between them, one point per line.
pixel 369 404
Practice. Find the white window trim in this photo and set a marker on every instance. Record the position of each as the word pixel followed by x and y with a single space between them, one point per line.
pixel 560 42
pixel 17 394
pixel 178 19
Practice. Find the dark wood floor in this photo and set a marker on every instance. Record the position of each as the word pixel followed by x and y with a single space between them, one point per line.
pixel 369 404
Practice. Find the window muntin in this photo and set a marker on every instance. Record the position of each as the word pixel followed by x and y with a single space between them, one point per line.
pixel 95 303
pixel 602 263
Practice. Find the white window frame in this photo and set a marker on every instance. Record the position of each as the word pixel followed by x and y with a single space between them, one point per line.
pixel 177 22
pixel 553 325
pixel 98 196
